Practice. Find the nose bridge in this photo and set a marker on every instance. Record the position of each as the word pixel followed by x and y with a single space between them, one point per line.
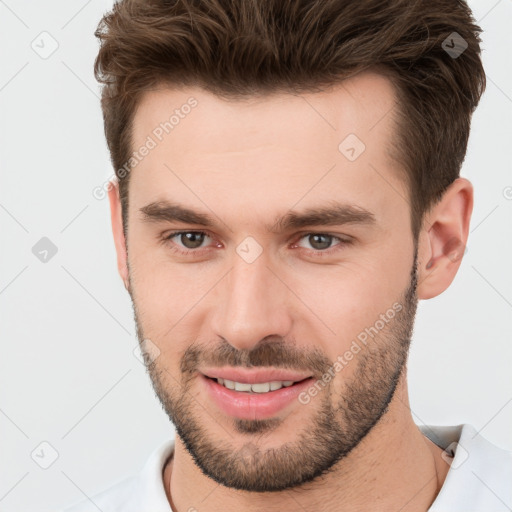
pixel 252 304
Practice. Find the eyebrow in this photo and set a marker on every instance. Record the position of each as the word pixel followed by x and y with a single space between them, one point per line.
pixel 335 214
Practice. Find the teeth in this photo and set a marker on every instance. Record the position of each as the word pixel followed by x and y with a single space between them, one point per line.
pixel 239 386
pixel 229 384
pixel 261 387
pixel 264 387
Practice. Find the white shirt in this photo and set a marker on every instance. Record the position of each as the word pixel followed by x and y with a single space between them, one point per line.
pixel 479 478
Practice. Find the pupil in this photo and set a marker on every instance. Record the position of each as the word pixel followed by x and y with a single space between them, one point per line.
pixel 192 240
pixel 314 239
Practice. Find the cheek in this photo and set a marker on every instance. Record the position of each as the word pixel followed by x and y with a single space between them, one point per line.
pixel 168 296
pixel 349 301
pixel 351 295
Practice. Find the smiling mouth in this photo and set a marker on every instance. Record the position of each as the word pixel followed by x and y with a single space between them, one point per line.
pixel 256 388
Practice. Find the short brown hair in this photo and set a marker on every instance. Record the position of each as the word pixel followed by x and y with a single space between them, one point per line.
pixel 239 48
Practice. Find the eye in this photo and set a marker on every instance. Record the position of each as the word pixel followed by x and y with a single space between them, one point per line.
pixel 188 240
pixel 191 243
pixel 321 243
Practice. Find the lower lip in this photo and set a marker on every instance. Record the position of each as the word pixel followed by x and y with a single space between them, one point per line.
pixel 253 406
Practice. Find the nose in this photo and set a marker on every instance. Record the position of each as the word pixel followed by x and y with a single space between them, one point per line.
pixel 252 304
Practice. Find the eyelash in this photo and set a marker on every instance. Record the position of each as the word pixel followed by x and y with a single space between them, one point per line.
pixel 312 252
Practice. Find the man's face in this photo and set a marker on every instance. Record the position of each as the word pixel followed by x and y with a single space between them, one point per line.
pixel 250 293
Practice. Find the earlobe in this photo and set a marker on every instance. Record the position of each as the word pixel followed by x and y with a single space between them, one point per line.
pixel 118 232
pixel 442 242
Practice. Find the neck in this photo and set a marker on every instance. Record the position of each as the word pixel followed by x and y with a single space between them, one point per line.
pixel 393 468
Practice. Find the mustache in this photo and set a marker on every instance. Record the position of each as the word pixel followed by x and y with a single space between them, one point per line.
pixel 271 352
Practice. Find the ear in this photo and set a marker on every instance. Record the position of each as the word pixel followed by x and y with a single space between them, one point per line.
pixel 443 237
pixel 117 230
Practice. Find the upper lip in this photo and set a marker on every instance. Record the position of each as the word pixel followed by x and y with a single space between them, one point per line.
pixel 254 376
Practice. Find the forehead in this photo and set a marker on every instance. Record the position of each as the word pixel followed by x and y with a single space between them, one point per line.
pixel 275 146
pixel 355 105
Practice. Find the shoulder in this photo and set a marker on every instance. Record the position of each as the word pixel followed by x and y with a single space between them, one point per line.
pixel 480 474
pixel 135 493
pixel 113 499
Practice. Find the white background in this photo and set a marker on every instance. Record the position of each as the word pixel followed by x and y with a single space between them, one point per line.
pixel 68 375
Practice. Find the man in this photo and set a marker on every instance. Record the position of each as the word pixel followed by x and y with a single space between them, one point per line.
pixel 287 189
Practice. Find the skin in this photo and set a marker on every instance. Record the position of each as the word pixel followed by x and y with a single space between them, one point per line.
pixel 249 162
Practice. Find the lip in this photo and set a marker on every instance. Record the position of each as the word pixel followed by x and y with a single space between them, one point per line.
pixel 254 376
pixel 252 406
